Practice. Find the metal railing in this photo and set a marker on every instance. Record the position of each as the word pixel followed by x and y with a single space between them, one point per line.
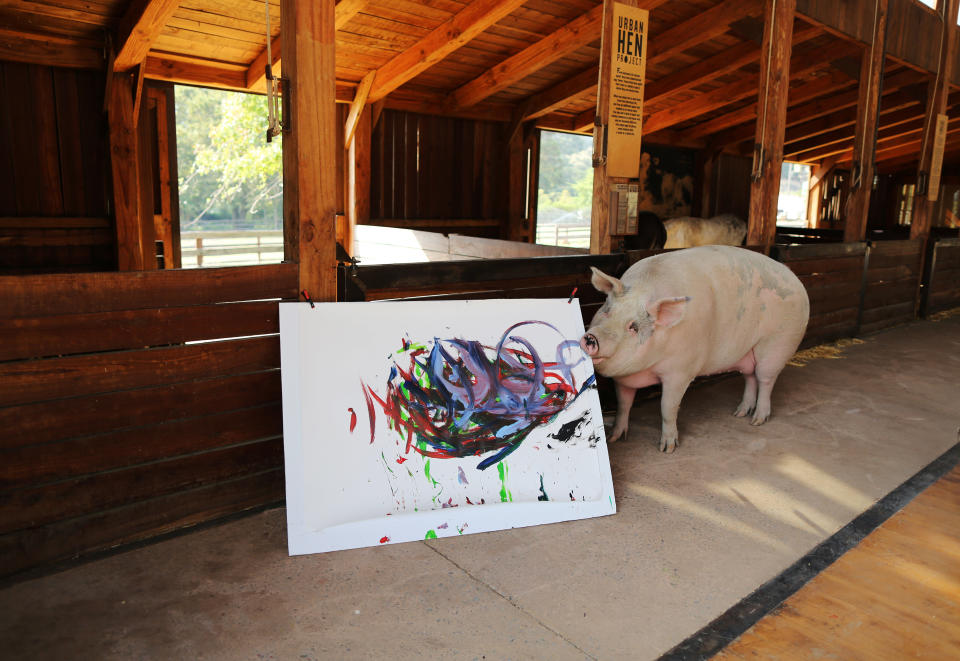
pixel 574 236
pixel 230 248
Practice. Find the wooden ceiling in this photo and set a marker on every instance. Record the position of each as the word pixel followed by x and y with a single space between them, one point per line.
pixel 520 60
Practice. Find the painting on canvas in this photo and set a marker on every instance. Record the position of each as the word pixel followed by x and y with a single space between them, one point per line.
pixel 415 420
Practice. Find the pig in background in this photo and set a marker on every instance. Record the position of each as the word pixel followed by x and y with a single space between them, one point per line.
pixel 689 313
pixel 689 232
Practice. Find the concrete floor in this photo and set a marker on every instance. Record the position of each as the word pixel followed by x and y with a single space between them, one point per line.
pixel 696 531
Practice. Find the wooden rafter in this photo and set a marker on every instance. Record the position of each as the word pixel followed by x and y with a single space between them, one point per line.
pixel 806 63
pixel 448 37
pixel 356 108
pixel 547 101
pixel 139 28
pixel 727 61
pixel 702 27
pixel 575 34
pixel 256 73
pixel 50 50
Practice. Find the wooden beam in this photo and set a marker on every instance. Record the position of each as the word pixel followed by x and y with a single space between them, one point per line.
pixel 809 61
pixel 931 154
pixel 702 27
pixel 826 144
pixel 310 146
pixel 868 116
pixel 139 28
pixel 196 72
pixel 771 121
pixel 577 33
pixel 347 9
pixel 359 102
pixel 358 178
pixel 134 246
pixel 448 37
pixel 545 102
pixel 50 50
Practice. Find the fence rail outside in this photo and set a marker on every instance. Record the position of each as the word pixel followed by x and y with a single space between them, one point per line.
pixel 573 236
pixel 230 248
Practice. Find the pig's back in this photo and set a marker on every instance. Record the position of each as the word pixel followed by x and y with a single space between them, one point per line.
pixel 737 297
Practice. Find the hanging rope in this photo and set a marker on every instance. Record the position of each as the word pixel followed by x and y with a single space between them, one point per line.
pixel 273 87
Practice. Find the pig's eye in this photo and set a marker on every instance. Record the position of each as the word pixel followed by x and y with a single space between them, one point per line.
pixel 634 327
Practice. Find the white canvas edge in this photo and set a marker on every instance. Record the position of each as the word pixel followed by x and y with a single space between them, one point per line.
pixel 399 527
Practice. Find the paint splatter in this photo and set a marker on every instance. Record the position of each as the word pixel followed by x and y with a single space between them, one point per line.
pixel 460 398
pixel 460 530
pixel 505 495
pixel 431 534
pixel 443 526
pixel 449 503
pixel 384 539
pixel 353 420
pixel 572 429
pixel 400 460
pixel 543 492
pixel 461 476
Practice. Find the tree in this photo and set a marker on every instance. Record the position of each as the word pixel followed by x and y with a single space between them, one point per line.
pixel 227 169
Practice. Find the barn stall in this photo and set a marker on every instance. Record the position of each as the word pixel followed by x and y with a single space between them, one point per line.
pixel 142 399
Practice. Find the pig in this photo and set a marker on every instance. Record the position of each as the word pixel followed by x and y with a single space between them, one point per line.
pixel 688 232
pixel 692 312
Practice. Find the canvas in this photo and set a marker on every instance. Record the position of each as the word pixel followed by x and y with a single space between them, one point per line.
pixel 414 420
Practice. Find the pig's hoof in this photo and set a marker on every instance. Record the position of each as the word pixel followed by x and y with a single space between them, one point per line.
pixel 759 420
pixel 617 434
pixel 743 411
pixel 668 444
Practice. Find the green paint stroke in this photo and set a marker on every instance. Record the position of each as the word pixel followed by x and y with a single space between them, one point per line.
pixel 543 492
pixel 431 534
pixel 386 463
pixel 505 495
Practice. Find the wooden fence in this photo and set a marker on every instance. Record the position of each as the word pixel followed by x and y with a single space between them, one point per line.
pixel 135 403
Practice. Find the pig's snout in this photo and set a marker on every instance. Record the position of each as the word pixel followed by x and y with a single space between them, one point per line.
pixel 589 344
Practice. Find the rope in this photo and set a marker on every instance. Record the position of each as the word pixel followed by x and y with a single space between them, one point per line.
pixel 758 148
pixel 273 86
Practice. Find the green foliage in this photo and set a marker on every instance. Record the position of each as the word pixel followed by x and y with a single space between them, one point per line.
pixel 566 176
pixel 227 170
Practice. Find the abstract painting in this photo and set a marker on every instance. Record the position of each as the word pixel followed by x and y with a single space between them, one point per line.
pixel 416 420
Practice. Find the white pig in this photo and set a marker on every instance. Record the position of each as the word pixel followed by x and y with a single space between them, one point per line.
pixel 683 314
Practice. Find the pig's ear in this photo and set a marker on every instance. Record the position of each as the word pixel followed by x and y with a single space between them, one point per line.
pixel 605 283
pixel 668 312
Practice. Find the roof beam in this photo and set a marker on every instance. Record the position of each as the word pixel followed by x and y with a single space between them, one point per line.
pixel 720 64
pixel 702 27
pixel 446 38
pixel 50 50
pixel 356 108
pixel 545 102
pixel 575 34
pixel 808 62
pixel 139 28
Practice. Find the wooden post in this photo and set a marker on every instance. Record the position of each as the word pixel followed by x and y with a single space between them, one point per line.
pixel 931 155
pixel 771 119
pixel 600 240
pixel 135 247
pixel 865 138
pixel 358 175
pixel 310 147
pixel 519 224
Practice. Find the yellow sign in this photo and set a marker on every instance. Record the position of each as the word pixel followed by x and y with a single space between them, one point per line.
pixel 628 66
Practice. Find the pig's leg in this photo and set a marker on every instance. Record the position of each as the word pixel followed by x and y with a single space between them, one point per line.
pixel 772 356
pixel 673 390
pixel 625 395
pixel 749 401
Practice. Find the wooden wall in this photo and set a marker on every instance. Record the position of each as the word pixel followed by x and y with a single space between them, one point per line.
pixel 133 404
pixel 428 168
pixel 54 171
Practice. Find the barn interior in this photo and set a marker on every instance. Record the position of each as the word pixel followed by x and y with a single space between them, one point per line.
pixel 140 399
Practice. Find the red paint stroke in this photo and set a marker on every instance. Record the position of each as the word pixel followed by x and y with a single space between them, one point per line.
pixel 400 460
pixel 468 501
pixel 370 410
pixel 384 539
pixel 353 420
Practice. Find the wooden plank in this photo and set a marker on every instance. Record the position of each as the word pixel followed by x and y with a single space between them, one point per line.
pixel 57 294
pixel 789 254
pixel 575 34
pixel 46 422
pixel 448 37
pixel 309 183
pixel 704 26
pixel 139 28
pixel 881 295
pixel 23 382
pixel 69 539
pixel 162 67
pixel 48 462
pixel 49 50
pixel 42 505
